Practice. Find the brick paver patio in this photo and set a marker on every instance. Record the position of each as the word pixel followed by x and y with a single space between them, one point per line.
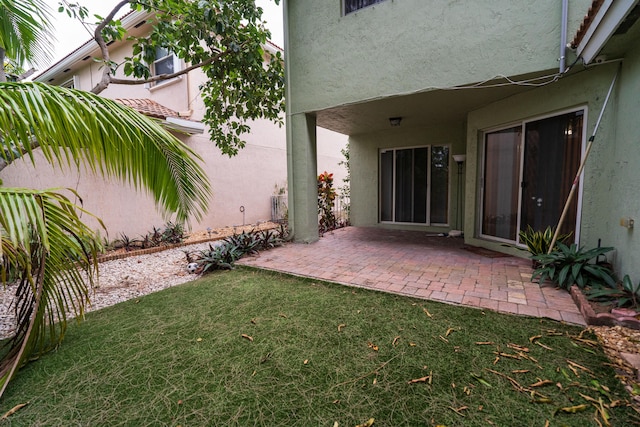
pixel 421 265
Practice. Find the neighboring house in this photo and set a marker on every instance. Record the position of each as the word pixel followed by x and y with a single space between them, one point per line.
pixel 414 83
pixel 247 180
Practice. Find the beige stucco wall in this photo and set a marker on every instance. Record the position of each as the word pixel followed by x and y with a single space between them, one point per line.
pixel 248 179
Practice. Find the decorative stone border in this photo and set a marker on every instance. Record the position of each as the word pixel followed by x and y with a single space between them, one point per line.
pixel 600 319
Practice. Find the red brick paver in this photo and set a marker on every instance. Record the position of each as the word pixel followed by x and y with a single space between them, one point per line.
pixel 422 265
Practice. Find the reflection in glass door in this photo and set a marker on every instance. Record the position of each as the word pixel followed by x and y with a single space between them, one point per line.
pixel 530 186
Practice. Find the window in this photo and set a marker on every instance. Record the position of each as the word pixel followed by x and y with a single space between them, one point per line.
pixel 414 185
pixel 354 5
pixel 528 173
pixel 166 62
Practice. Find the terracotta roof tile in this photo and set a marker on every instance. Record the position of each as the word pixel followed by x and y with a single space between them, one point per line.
pixel 586 22
pixel 148 107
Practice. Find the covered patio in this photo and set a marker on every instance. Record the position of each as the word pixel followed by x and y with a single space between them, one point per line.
pixel 422 265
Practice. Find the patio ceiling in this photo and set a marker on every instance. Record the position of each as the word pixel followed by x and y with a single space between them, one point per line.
pixel 427 108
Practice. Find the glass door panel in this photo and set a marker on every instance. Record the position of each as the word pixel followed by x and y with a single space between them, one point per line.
pixel 552 158
pixel 386 186
pixel 501 178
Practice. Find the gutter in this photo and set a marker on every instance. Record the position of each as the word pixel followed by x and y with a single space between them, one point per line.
pixel 563 36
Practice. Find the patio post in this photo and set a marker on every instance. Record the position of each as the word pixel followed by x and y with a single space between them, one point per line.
pixel 302 165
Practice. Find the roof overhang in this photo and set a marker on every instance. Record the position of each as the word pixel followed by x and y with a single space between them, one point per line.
pixel 603 26
pixel 185 126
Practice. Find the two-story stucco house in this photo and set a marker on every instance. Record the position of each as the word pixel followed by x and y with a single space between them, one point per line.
pixel 471 116
pixel 247 180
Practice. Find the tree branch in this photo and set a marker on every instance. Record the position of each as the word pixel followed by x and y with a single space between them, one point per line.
pixel 161 77
pixel 4 163
pixel 97 35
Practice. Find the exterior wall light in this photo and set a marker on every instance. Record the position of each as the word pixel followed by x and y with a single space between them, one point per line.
pixel 395 121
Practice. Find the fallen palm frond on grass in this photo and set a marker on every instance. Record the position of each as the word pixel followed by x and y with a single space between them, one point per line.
pixel 248 347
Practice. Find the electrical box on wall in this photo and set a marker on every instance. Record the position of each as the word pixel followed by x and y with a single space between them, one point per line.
pixel 627 222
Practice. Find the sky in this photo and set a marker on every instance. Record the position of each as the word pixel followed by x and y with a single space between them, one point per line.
pixel 70 34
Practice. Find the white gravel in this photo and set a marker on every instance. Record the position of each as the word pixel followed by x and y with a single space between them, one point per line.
pixel 121 280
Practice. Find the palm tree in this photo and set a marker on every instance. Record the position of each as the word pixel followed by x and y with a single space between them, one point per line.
pixel 44 245
pixel 25 32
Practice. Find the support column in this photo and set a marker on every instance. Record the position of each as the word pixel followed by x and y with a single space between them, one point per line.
pixel 302 165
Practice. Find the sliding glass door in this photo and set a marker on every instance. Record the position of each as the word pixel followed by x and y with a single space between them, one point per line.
pixel 414 185
pixel 528 173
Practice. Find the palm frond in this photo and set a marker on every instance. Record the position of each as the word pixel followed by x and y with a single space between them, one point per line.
pixel 55 255
pixel 111 139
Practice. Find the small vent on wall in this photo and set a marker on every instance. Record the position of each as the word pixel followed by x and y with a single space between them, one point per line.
pixel 86 57
pixel 66 70
pixel 139 24
pixel 50 80
pixel 111 42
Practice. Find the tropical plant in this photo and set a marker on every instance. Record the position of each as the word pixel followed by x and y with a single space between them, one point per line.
pixel 127 243
pixel 43 237
pixel 24 33
pixel 538 242
pixel 569 265
pixel 326 201
pixel 218 257
pixel 625 294
pixel 173 233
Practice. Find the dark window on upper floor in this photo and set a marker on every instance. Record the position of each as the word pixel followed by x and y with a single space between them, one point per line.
pixel 353 5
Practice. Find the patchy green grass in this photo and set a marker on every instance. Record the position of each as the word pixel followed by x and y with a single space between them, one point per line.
pixel 248 347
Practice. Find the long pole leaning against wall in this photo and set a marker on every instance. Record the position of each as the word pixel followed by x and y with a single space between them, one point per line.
pixel 576 181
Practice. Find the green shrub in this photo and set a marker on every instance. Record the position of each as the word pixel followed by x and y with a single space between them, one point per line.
pixel 625 294
pixel 569 265
pixel 538 242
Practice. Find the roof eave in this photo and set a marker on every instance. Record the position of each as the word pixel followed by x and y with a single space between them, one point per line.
pixel 607 20
pixel 88 48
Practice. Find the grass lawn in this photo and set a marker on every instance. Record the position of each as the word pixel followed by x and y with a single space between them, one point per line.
pixel 248 347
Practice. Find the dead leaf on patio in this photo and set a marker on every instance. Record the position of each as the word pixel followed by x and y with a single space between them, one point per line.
pixel 496 360
pixel 427 312
pixel 572 409
pixel 372 346
pixel 13 410
pixel 544 346
pixel 412 344
pixel 449 331
pixel 375 381
pixel 340 326
pixel 485 343
pixel 253 321
pixel 306 361
pixel 369 423
pixel 395 341
pixel 245 336
pixel 518 347
pixel 520 371
pixel 420 380
pixel 198 339
pixel 459 410
pixel 575 365
pixel 541 383
pixel 443 339
pixel 533 338
pixel 283 315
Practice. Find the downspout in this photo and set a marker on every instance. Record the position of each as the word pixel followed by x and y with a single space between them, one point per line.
pixel 563 36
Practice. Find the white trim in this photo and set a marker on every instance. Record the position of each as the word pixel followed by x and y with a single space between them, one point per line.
pixel 604 24
pixel 182 125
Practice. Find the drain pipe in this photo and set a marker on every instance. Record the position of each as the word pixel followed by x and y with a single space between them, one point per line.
pixel 576 181
pixel 563 36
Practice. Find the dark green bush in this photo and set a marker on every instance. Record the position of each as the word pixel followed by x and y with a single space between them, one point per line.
pixel 569 265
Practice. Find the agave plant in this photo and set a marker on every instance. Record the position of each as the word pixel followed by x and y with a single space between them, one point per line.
pixel 569 265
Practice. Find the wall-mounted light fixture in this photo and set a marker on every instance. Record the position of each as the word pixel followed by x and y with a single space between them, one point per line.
pixel 395 121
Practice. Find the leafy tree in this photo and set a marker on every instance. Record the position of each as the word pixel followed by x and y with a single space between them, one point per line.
pixel 44 245
pixel 224 38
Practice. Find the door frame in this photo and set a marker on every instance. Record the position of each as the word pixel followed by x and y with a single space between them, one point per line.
pixel 482 166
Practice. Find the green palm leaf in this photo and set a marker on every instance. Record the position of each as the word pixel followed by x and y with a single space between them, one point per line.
pixel 25 32
pixel 54 254
pixel 113 140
